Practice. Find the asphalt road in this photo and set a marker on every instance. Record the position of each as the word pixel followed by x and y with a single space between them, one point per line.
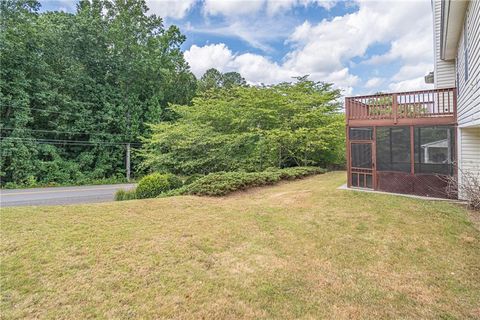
pixel 60 195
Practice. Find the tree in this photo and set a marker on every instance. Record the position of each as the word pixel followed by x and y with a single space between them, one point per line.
pixel 211 79
pixel 231 79
pixel 93 78
pixel 19 64
pixel 251 128
pixel 214 79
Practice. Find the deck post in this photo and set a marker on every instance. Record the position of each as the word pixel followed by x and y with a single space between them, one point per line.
pixel 412 151
pixel 394 107
pixel 347 140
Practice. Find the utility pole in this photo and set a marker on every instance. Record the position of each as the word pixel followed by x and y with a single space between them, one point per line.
pixel 127 162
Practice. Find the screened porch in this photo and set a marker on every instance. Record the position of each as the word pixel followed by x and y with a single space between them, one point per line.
pixel 402 142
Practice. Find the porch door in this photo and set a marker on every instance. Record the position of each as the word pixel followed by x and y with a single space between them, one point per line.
pixel 362 164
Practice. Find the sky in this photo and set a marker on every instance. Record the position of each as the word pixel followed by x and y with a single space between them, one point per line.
pixel 361 46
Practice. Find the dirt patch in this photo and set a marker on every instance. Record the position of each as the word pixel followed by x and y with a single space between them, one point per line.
pixel 291 198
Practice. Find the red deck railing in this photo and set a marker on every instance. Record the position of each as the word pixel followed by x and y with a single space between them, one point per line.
pixel 404 105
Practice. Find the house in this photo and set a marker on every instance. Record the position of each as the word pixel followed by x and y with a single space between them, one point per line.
pixel 408 142
pixel 457 63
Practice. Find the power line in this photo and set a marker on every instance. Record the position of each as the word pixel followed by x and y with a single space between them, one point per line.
pixel 64 113
pixel 51 111
pixel 72 142
pixel 69 132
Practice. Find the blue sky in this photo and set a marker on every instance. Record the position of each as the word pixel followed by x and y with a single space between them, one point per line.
pixel 361 46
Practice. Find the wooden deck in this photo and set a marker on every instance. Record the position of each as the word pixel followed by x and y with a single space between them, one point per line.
pixel 365 115
pixel 429 107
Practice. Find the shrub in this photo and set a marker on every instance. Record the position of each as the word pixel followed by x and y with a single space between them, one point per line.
pixel 222 183
pixel 174 181
pixel 299 172
pixel 125 195
pixel 152 185
pixel 469 188
pixel 174 192
pixel 192 178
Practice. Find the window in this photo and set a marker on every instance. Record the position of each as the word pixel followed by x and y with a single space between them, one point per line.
pixel 434 150
pixel 361 155
pixel 365 133
pixel 393 149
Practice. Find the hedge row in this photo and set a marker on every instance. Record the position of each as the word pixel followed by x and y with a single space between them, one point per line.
pixel 214 184
pixel 222 183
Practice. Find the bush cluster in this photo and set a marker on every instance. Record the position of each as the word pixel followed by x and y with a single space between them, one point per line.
pixel 156 183
pixel 151 186
pixel 222 183
pixel 214 184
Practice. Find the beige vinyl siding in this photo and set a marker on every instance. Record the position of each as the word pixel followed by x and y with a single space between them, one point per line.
pixel 444 70
pixel 468 92
pixel 469 152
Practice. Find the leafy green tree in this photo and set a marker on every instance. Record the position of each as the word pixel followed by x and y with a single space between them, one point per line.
pixel 211 79
pixel 251 128
pixel 214 79
pixel 231 79
pixel 93 77
pixel 19 64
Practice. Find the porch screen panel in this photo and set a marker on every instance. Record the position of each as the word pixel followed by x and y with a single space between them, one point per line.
pixel 361 133
pixel 361 155
pixel 393 149
pixel 434 149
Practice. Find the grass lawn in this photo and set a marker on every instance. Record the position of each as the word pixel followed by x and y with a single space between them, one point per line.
pixel 300 249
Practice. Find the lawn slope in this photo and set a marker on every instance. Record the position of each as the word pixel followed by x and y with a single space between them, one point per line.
pixel 300 249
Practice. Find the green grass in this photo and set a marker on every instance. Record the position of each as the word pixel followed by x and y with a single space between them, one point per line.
pixel 299 249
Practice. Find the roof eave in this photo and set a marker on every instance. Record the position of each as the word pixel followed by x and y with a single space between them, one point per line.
pixel 453 14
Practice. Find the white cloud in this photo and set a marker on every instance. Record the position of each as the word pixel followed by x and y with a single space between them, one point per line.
pixel 414 46
pixel 254 34
pixel 232 7
pixel 409 85
pixel 276 6
pixel 176 9
pixel 325 50
pixel 216 56
pixel 332 42
pixel 374 82
pixel 410 71
pixel 257 69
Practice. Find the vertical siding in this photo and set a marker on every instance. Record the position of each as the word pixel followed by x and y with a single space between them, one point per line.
pixel 444 70
pixel 469 148
pixel 468 97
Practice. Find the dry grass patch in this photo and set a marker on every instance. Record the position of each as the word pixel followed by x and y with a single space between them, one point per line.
pixel 296 250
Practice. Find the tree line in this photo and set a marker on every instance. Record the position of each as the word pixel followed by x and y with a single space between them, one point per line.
pixel 75 89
